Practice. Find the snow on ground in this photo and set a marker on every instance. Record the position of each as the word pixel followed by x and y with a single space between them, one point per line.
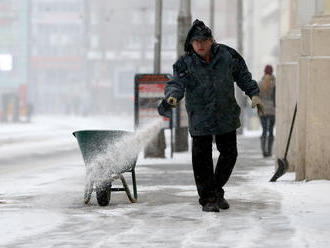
pixel 308 206
pixel 55 124
pixel 306 203
pixel 52 133
pixel 42 206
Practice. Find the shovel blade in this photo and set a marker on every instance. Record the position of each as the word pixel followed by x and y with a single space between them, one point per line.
pixel 281 169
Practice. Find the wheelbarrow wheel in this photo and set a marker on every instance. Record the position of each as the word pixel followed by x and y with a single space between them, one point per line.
pixel 103 196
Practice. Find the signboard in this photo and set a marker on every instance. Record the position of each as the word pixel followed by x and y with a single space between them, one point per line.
pixel 149 91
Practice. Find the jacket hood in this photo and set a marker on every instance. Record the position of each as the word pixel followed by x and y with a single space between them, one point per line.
pixel 197 31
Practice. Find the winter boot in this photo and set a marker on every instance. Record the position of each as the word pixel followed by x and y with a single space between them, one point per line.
pixel 223 204
pixel 210 207
pixel 263 146
pixel 270 145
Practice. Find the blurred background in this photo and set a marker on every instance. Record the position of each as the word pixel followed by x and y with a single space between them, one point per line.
pixel 79 57
pixel 72 64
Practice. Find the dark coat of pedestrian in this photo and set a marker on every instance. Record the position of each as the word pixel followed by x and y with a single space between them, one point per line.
pixel 205 76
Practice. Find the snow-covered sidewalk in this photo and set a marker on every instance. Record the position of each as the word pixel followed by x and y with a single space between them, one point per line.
pixel 51 134
pixel 305 204
pixel 285 213
pixel 43 207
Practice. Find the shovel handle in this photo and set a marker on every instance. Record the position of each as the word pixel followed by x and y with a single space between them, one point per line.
pixel 289 138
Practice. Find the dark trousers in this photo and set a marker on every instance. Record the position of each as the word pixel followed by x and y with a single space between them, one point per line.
pixel 267 123
pixel 267 137
pixel 210 182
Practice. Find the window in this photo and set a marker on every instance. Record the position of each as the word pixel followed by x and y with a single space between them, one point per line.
pixel 6 62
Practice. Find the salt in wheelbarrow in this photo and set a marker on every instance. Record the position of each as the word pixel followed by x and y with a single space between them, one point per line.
pixel 105 158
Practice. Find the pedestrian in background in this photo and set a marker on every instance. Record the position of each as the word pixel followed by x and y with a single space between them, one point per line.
pixel 205 75
pixel 267 119
pixel 29 112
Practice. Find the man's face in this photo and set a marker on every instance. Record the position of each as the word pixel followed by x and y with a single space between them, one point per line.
pixel 202 47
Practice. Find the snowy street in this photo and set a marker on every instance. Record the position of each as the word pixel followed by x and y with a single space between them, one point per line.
pixel 112 112
pixel 41 198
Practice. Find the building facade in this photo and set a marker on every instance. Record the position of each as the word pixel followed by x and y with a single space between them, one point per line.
pixel 303 79
pixel 57 56
pixel 80 56
pixel 13 58
pixel 121 44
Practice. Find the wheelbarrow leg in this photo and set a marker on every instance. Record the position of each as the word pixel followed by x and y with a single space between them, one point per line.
pixel 88 189
pixel 134 184
pixel 128 192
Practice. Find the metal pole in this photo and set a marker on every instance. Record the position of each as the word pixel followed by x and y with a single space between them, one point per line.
pixel 240 26
pixel 30 86
pixel 88 75
pixel 156 148
pixel 158 35
pixel 184 23
pixel 239 95
pixel 212 5
pixel 171 128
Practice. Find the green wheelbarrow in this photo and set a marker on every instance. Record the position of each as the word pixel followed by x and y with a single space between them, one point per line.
pixel 100 149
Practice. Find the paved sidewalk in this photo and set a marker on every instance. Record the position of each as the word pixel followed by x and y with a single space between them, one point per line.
pixel 262 214
pixel 167 214
pixel 169 199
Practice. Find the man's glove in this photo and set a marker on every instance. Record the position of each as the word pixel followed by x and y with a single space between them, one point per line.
pixel 165 109
pixel 172 101
pixel 256 101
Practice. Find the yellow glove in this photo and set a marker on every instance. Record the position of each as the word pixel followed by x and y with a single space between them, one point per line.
pixel 172 101
pixel 256 101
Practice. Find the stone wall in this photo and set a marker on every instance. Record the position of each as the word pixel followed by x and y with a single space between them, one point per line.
pixel 313 97
pixel 286 95
pixel 303 76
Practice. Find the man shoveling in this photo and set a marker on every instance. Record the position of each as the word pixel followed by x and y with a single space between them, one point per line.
pixel 205 75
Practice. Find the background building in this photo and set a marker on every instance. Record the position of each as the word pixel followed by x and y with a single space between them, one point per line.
pixel 81 56
pixel 57 56
pixel 13 58
pixel 304 79
pixel 121 44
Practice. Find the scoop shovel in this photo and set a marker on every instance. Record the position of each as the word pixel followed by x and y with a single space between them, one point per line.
pixel 283 163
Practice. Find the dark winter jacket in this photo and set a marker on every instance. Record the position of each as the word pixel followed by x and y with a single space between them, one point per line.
pixel 209 89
